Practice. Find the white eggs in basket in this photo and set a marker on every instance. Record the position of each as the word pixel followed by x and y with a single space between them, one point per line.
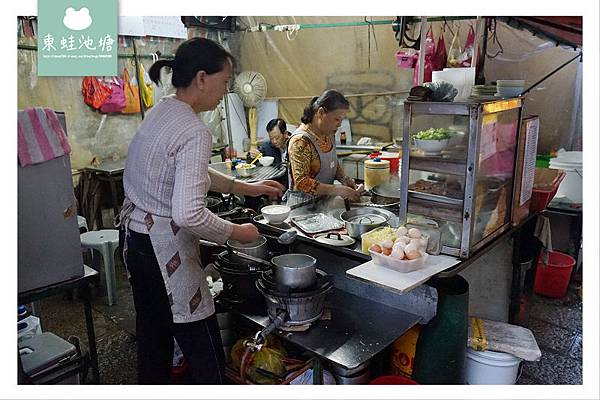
pixel 414 233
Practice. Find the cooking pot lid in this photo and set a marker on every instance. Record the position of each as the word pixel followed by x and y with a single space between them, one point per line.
pixel 335 239
pixel 367 219
pixel 391 189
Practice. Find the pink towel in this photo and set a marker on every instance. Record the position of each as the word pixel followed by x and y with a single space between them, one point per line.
pixel 40 136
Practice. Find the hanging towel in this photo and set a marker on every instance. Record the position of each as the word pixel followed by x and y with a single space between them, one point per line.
pixel 40 136
pixel 544 234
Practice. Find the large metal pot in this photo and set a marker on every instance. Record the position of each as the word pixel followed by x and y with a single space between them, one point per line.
pixel 295 270
pixel 256 249
pixel 363 219
pixel 386 194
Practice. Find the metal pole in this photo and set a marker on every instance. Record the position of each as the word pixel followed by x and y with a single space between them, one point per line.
pixel 228 123
pixel 420 73
pixel 137 78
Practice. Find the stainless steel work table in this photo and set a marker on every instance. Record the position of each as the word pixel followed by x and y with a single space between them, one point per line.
pixel 359 328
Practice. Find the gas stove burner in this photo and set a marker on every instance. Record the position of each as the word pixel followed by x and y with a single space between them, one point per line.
pixel 269 285
pixel 301 306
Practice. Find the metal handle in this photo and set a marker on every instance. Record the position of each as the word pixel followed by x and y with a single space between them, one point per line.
pixel 279 319
pixel 251 258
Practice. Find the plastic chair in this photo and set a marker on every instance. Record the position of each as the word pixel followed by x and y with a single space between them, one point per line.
pixel 82 223
pixel 106 242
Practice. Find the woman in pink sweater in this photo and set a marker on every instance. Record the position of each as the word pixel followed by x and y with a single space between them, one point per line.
pixel 166 178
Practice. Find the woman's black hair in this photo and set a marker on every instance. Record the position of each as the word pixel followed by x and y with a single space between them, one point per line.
pixel 330 100
pixel 193 55
pixel 280 124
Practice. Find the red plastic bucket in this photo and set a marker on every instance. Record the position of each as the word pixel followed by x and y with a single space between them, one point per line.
pixel 392 380
pixel 552 280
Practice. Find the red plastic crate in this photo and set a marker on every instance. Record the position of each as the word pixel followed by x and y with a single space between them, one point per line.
pixel 549 180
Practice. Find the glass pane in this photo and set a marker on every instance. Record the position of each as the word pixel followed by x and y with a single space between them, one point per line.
pixel 494 180
pixel 454 147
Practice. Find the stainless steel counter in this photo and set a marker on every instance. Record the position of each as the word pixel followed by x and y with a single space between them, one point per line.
pixel 358 330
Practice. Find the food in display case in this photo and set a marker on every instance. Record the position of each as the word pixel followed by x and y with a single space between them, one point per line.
pixel 451 188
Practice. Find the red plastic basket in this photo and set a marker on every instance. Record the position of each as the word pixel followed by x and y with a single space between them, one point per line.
pixel 540 198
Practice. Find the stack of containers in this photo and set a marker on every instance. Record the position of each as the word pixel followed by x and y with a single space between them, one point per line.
pixel 509 87
pixel 572 163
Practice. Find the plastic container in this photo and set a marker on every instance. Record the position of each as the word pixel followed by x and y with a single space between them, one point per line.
pixel 392 380
pixel 490 368
pixel 571 162
pixel 544 188
pixel 552 280
pixel 543 160
pixel 377 172
pixel 392 157
pixel 403 266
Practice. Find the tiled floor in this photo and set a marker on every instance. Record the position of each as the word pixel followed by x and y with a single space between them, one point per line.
pixel 556 324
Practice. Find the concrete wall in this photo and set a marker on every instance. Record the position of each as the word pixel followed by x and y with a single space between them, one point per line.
pixel 490 279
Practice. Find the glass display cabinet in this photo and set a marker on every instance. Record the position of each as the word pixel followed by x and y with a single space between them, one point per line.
pixel 458 168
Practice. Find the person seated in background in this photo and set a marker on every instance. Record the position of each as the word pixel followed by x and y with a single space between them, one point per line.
pixel 276 146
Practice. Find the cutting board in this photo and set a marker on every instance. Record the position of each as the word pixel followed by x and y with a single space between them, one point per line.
pixel 398 281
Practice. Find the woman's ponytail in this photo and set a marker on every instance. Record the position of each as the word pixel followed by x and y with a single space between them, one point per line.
pixel 309 111
pixel 154 71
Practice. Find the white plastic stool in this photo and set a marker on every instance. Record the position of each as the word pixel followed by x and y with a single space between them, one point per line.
pixel 106 242
pixel 82 223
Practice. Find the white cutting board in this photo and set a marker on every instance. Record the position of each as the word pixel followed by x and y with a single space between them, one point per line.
pixel 399 281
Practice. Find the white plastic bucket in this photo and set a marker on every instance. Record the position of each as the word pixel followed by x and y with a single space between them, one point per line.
pixel 571 187
pixel 490 368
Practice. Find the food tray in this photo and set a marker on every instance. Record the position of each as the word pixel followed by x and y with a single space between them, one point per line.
pixel 316 223
pixel 434 197
pixel 398 265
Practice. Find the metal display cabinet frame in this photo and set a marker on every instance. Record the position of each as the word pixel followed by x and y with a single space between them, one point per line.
pixel 463 211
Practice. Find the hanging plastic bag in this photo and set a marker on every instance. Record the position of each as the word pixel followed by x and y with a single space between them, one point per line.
pixel 428 64
pixel 94 92
pixel 116 100
pixel 440 56
pixel 146 85
pixel 467 54
pixel 132 96
pixel 454 52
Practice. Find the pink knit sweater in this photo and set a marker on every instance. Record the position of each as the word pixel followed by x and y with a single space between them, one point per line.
pixel 167 173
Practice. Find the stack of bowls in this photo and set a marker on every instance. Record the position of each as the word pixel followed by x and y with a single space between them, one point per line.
pixel 509 87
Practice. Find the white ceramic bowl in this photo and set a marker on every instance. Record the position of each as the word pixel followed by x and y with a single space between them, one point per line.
pixel 432 146
pixel 275 214
pixel 265 161
pixel 245 170
pixel 398 265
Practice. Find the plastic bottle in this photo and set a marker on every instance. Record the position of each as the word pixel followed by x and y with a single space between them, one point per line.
pixel 228 163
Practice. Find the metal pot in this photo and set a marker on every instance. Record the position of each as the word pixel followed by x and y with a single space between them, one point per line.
pixel 358 370
pixel 364 219
pixel 296 271
pixel 256 249
pixel 386 194
pixel 361 379
pixel 214 204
